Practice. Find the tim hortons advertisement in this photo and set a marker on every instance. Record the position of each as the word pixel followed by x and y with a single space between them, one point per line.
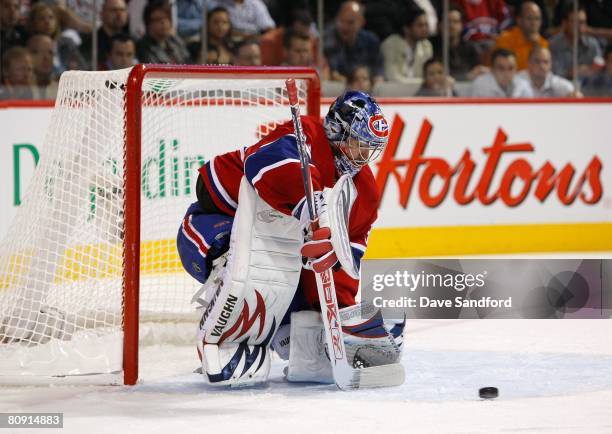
pixel 455 178
pixel 501 163
pixel 503 177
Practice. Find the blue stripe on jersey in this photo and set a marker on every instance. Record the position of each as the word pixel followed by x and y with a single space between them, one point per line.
pixel 357 255
pixel 216 189
pixel 297 210
pixel 284 148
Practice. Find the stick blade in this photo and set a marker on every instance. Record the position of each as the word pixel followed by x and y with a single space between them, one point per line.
pixel 376 376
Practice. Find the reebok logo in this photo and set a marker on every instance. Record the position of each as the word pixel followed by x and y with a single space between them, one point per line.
pixel 268 216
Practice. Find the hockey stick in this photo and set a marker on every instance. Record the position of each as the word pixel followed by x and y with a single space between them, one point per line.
pixel 345 376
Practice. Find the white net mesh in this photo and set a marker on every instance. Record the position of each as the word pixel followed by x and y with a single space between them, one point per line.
pixel 61 263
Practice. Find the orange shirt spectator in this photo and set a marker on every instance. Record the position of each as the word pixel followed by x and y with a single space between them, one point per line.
pixel 525 36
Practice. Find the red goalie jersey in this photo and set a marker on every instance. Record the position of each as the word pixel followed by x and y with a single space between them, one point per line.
pixel 272 167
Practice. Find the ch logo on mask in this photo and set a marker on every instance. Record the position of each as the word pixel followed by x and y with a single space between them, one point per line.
pixel 378 125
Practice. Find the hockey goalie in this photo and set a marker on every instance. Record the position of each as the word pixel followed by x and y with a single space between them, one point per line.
pixel 248 239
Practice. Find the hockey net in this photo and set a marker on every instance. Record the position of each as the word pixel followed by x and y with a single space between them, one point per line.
pixel 92 251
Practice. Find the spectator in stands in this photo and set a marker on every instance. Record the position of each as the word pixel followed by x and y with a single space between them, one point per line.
pixel 114 21
pixel 463 58
pixel 189 14
pixel 485 19
pixel 76 14
pixel 502 81
pixel 514 8
pixel 283 11
pixel 435 82
pixel 360 79
pixel 388 16
pixel 543 83
pixel 298 49
pixel 247 53
pixel 135 18
pixel 18 81
pixel 601 84
pixel 405 55
pixel 430 14
pixel 43 20
pixel 249 18
pixel 11 32
pixel 384 17
pixel 71 15
pixel 41 49
pixel 219 28
pixel 347 44
pixel 272 43
pixel 122 53
pixel 159 45
pixel 299 52
pixel 599 18
pixel 589 52
pixel 522 38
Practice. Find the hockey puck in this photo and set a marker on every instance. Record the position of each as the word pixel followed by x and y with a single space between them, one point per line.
pixel 488 392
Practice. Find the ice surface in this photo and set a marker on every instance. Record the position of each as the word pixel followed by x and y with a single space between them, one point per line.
pixel 554 376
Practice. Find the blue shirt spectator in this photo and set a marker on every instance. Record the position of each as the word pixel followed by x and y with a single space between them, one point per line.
pixel 348 45
pixel 561 47
pixel 248 17
pixel 189 15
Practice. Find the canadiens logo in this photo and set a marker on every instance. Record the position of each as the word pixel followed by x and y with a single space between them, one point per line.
pixel 378 125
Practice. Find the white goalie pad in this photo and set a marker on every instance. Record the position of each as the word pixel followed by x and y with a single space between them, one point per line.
pixel 369 340
pixel 253 293
pixel 308 361
pixel 340 200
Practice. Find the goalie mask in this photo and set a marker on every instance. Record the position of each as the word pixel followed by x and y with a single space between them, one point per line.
pixel 357 129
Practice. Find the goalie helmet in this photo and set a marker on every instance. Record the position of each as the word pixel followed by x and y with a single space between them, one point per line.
pixel 357 129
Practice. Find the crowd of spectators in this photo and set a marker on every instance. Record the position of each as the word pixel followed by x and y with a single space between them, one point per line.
pixel 496 48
